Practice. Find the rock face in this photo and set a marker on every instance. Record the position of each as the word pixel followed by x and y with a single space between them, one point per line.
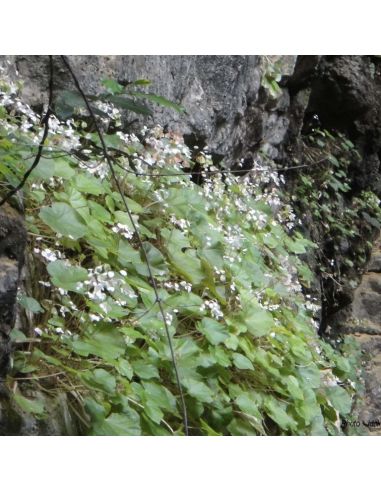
pixel 226 108
pixel 364 321
pixel 12 244
pixel 15 422
pixel 344 92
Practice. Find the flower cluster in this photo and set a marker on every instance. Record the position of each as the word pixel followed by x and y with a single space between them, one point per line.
pixel 103 282
pixel 123 230
pixel 182 285
pixel 213 307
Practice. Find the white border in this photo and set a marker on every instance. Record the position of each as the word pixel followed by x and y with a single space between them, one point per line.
pixel 195 27
pixel 189 464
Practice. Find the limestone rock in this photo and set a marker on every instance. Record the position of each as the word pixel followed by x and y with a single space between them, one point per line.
pixel 12 244
pixel 364 320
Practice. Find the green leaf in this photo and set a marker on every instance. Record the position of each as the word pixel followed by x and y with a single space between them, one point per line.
pixel 48 358
pixel 112 86
pixel 124 218
pixel 124 368
pixel 294 388
pixel 239 427
pixel 214 332
pixel 248 405
pixel 308 408
pixel 299 348
pixel 266 360
pixel 99 212
pixel 160 395
pixel 44 170
pixel 89 184
pixel 188 265
pixel 153 412
pixel 95 409
pixel 258 321
pixel 371 220
pixel 276 410
pixel 310 374
pixel 18 336
pixel 182 258
pixel 198 390
pixel 242 362
pixel 145 370
pixel 155 259
pixel 62 168
pixel 62 218
pixel 207 429
pixel 186 302
pixel 31 304
pixel 66 276
pixel 129 104
pixel 105 342
pixel 30 406
pixel 119 424
pixel 220 355
pixel 339 399
pixel 54 166
pixel 162 101
pixel 141 82
pixel 127 254
pixel 100 379
pixel 68 101
pixel 305 274
pixel 74 197
pixel 134 207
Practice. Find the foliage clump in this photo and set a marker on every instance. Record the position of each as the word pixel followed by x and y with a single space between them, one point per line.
pixel 342 220
pixel 230 273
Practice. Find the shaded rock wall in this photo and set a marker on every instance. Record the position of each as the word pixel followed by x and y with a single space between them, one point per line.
pixel 12 244
pixel 344 93
pixel 363 319
pixel 339 93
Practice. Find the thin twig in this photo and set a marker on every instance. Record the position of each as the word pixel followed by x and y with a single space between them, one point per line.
pixel 302 165
pixel 109 161
pixel 45 121
pixel 40 377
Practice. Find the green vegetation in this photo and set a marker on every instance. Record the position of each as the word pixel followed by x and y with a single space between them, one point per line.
pixel 342 222
pixel 272 74
pixel 230 273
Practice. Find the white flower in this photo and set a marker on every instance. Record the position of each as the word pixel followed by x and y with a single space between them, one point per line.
pixel 104 307
pixel 213 307
pixel 49 254
pixel 45 284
